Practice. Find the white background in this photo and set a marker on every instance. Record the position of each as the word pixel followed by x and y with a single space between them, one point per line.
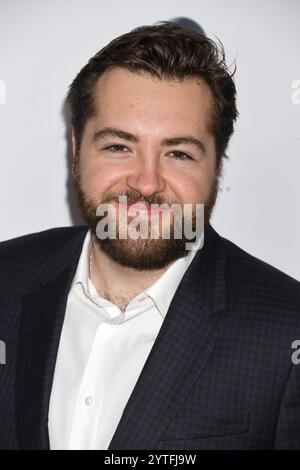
pixel 44 44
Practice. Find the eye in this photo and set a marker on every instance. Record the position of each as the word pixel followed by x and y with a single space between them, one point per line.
pixel 116 148
pixel 178 155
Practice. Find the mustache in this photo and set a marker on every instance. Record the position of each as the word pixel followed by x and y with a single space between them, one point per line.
pixel 134 196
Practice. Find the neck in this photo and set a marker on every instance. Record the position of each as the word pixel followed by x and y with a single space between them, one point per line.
pixel 116 282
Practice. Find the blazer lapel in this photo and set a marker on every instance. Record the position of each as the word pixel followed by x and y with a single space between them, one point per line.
pixel 41 322
pixel 184 343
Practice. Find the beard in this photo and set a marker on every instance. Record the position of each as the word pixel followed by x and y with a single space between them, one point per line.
pixel 141 253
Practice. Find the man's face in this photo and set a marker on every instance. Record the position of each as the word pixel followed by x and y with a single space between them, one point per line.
pixel 149 138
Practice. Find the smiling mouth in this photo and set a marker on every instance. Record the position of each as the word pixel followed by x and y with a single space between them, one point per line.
pixel 140 206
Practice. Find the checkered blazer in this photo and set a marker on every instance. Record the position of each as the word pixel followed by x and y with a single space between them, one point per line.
pixel 219 376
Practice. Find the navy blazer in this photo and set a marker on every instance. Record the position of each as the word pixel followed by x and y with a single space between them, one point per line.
pixel 219 375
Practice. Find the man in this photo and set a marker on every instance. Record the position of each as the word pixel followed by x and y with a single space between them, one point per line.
pixel 139 343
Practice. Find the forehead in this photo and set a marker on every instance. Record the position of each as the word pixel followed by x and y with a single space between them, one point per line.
pixel 125 96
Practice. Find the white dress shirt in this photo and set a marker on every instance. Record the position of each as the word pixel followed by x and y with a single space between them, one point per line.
pixel 101 354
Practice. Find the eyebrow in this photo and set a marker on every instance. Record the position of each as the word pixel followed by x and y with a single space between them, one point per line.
pixel 114 132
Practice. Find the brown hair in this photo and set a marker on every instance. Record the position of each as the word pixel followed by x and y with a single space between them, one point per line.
pixel 164 50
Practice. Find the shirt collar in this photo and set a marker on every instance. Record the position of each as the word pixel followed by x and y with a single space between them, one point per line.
pixel 82 271
pixel 161 292
pixel 163 289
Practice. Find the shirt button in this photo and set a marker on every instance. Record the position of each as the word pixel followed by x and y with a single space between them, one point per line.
pixel 89 401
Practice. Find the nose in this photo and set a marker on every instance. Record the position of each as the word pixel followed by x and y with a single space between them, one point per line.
pixel 146 178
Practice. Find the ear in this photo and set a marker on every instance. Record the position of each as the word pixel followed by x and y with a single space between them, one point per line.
pixel 74 153
pixel 74 146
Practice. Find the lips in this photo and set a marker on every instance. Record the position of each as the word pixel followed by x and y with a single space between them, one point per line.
pixel 139 206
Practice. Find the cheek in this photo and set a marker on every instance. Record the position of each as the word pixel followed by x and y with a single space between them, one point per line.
pixel 96 179
pixel 194 186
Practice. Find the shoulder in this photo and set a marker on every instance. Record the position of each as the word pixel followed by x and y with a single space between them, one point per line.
pixel 258 281
pixel 45 239
pixel 24 254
